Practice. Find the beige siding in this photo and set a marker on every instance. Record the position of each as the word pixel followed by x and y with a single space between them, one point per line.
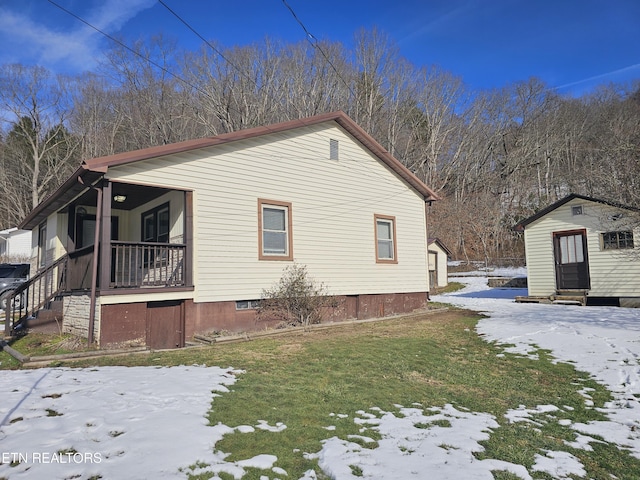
pixel 333 205
pixel 612 272
pixel 176 202
pixel 438 262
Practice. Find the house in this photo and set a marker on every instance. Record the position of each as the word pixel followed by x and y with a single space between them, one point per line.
pixel 189 234
pixel 583 248
pixel 15 245
pixel 438 271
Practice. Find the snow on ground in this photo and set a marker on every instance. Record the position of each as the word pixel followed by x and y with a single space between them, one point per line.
pixel 118 422
pixel 603 341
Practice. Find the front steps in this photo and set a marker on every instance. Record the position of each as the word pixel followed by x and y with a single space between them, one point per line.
pixel 46 320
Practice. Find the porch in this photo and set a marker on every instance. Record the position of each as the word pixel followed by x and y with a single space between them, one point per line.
pixel 116 238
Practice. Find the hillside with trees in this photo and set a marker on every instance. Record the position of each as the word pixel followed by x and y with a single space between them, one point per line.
pixel 493 156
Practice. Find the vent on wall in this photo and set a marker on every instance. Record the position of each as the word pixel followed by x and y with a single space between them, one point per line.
pixel 333 149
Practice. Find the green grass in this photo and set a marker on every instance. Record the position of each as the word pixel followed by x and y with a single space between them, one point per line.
pixel 451 287
pixel 305 380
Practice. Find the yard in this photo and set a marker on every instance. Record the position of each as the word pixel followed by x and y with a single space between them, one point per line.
pixel 527 391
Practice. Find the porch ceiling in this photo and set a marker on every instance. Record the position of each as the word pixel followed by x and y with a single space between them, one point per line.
pixel 135 195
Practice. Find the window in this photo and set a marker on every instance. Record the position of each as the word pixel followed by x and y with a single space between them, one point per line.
pixel 274 225
pixel 334 149
pixel 155 229
pixel 155 225
pixel 571 249
pixel 386 251
pixel 42 244
pixel 247 304
pixel 617 240
pixel 577 210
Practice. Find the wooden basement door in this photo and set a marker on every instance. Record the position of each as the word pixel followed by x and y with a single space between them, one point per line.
pixel 165 324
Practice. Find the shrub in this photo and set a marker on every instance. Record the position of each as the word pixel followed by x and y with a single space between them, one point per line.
pixel 295 300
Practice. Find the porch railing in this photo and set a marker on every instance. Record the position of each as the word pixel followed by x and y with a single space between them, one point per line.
pixel 144 264
pixel 35 293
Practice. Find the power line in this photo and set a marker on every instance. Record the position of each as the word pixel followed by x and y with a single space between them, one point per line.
pixel 186 24
pixel 313 41
pixel 125 46
pixel 179 78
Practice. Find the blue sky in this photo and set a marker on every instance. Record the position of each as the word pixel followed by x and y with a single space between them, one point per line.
pixel 572 45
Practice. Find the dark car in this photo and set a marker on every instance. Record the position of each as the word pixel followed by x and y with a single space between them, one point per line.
pixel 12 275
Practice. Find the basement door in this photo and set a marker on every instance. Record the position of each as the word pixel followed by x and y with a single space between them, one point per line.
pixel 165 324
pixel 572 266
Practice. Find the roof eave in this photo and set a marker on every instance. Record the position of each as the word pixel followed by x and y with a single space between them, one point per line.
pixel 339 117
pixel 70 189
pixel 522 224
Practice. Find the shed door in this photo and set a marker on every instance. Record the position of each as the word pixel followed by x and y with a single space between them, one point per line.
pixel 165 324
pixel 433 270
pixel 572 267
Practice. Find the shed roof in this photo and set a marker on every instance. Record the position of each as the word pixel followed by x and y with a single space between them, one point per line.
pixel 91 170
pixel 520 226
pixel 437 241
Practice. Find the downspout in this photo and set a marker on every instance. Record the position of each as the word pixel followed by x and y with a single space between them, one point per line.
pixel 427 207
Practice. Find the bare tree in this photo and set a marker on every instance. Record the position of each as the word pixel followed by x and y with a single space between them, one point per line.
pixel 39 149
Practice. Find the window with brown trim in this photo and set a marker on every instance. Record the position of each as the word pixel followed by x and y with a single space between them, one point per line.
pixel 275 236
pixel 386 248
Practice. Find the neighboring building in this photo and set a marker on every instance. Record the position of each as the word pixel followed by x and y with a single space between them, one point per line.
pixel 15 245
pixel 438 269
pixel 584 248
pixel 191 233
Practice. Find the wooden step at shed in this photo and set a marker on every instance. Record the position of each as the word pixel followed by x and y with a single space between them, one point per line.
pixel 528 299
pixel 569 300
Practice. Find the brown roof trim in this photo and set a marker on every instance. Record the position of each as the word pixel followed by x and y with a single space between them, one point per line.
pixel 520 226
pixel 339 117
pixel 94 168
pixel 63 195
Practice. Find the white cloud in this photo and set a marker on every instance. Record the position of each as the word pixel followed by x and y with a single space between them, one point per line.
pixel 30 41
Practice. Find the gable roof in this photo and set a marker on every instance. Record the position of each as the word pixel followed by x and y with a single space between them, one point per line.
pixel 91 170
pixel 520 226
pixel 437 241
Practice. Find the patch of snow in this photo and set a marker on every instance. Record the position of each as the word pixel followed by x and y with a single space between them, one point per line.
pixel 559 464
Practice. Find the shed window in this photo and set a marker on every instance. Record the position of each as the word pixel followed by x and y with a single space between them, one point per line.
pixel 617 240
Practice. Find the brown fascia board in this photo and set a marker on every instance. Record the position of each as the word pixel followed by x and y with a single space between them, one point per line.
pixel 96 167
pixel 60 197
pixel 520 226
pixel 341 118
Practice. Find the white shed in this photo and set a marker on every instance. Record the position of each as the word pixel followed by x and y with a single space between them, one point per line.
pixel 583 247
pixel 438 270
